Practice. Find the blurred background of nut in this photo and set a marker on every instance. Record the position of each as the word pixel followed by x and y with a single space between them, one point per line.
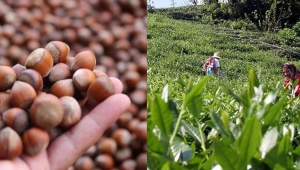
pixel 115 32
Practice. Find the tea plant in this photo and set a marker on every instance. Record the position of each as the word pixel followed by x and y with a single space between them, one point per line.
pixel 246 119
pixel 233 131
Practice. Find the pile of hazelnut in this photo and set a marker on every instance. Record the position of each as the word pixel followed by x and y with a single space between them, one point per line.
pixel 115 31
pixel 47 92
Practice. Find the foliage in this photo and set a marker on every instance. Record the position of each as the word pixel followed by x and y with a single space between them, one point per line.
pixel 251 129
pixel 296 28
pixel 246 119
pixel 242 25
pixel 287 36
pixel 150 6
pixel 265 15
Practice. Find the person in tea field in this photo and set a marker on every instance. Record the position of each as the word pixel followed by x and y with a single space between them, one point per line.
pixel 212 65
pixel 291 75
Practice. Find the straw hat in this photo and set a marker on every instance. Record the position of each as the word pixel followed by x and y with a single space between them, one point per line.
pixel 216 55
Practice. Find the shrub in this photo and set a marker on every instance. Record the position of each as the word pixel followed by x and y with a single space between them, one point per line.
pixel 286 36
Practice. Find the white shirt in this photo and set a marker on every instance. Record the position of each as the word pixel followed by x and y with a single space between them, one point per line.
pixel 216 62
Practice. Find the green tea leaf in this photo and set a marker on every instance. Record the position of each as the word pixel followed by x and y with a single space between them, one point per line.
pixel 249 140
pixel 269 141
pixel 181 150
pixel 157 145
pixel 191 130
pixel 253 81
pixel 225 120
pixel 171 166
pixel 218 124
pixel 278 157
pixel 271 116
pixel 193 100
pixel 161 115
pixel 227 156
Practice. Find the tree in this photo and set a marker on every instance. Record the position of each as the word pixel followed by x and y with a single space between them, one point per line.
pixel 173 3
pixel 150 6
pixel 194 2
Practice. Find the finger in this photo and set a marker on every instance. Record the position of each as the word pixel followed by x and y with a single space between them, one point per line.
pixel 14 164
pixel 77 140
pixel 117 84
pixel 39 161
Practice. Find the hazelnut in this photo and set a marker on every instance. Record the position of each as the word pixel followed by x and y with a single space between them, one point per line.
pixel 99 73
pixel 59 71
pixel 69 60
pixel 123 154
pixel 107 146
pixel 72 111
pixel 131 125
pixel 35 140
pixel 54 132
pixel 124 119
pixel 16 118
pixel 22 94
pixel 5 101
pixel 7 77
pixel 131 78
pixel 122 136
pixel 138 97
pixel 46 111
pixel 99 90
pixel 63 88
pixel 82 78
pixel 84 59
pixel 128 164
pixel 84 162
pixel 141 131
pixel 18 68
pixel 141 161
pixel 33 78
pixel 59 51
pixel 40 60
pixel 11 144
pixel 91 151
pixel 104 161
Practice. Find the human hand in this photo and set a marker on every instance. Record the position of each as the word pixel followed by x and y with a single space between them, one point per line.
pixel 66 148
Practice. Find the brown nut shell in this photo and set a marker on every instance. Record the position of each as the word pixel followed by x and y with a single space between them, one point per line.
pixel 63 88
pixel 35 140
pixel 22 94
pixel 5 101
pixel 40 60
pixel 33 78
pixel 7 77
pixel 11 144
pixel 59 71
pixel 82 78
pixel 99 90
pixel 18 68
pixel 84 59
pixel 99 73
pixel 46 111
pixel 72 111
pixel 84 162
pixel 59 51
pixel 16 118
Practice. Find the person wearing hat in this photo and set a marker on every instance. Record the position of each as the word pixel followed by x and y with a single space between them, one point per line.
pixel 212 65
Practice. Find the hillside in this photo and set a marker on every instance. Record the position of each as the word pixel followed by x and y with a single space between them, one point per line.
pixel 178 48
pixel 246 120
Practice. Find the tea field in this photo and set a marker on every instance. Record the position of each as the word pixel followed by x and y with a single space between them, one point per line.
pixel 244 120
